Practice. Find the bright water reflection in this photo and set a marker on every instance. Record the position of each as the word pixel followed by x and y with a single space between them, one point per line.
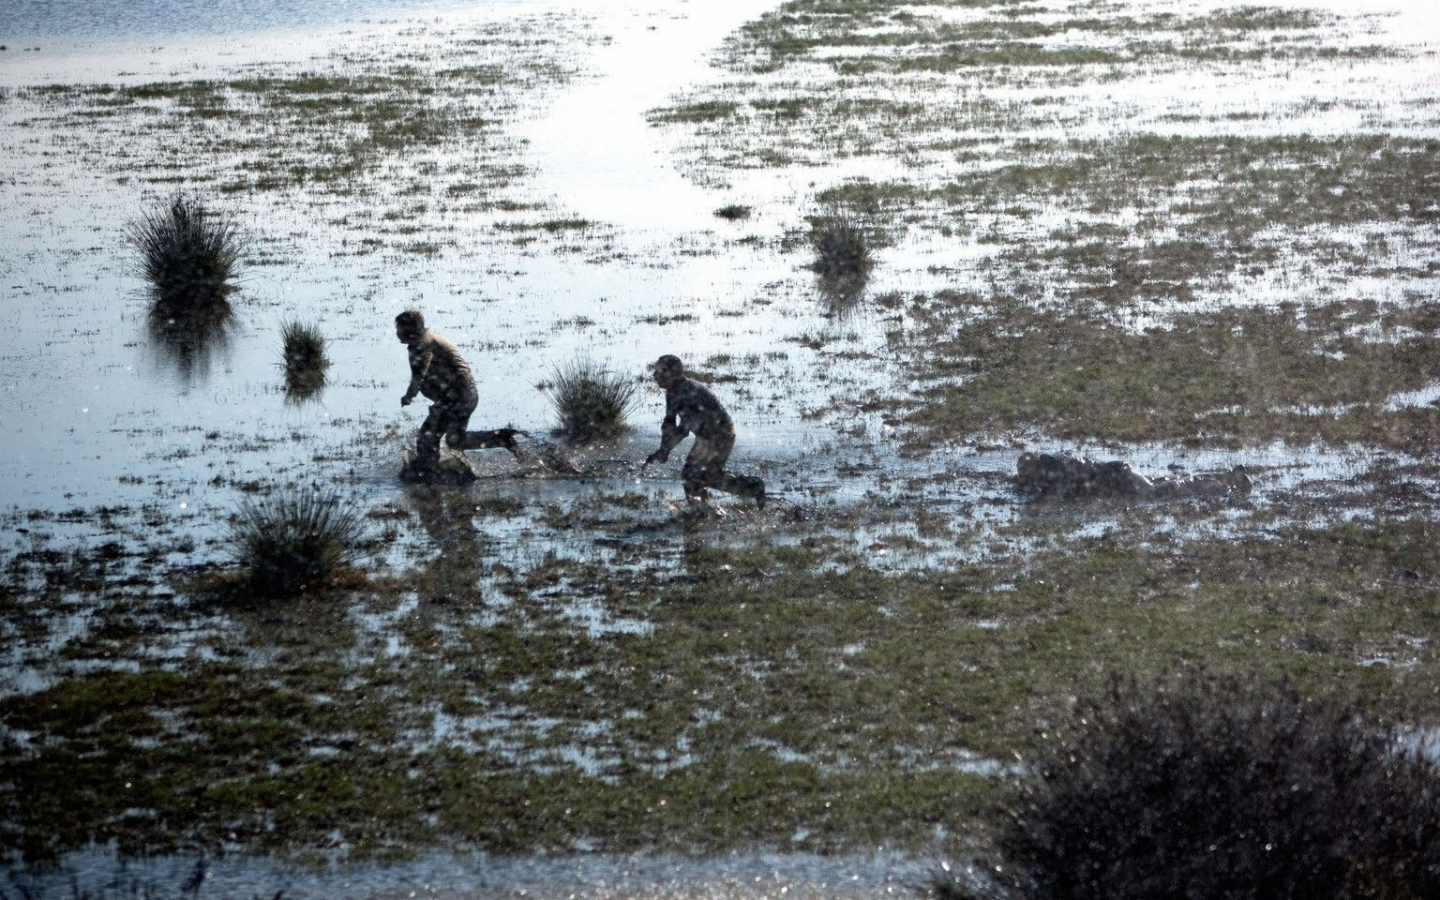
pixel 23 21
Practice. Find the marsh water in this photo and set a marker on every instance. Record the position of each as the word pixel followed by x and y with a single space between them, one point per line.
pixel 579 228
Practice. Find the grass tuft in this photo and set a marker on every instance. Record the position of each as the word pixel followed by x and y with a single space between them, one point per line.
pixel 188 253
pixel 295 538
pixel 733 212
pixel 590 401
pixel 842 248
pixel 1205 786
pixel 305 359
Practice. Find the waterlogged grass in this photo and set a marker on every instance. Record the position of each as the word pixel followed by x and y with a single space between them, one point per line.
pixel 865 37
pixel 1220 378
pixel 774 700
pixel 1296 181
pixel 333 127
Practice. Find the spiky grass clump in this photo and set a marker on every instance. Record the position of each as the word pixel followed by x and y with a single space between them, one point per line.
pixel 305 359
pixel 1200 786
pixel 188 253
pixel 842 247
pixel 590 401
pixel 294 538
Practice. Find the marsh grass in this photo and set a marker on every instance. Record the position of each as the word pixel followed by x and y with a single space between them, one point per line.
pixel 305 360
pixel 842 246
pixel 590 401
pixel 1212 786
pixel 296 537
pixel 1219 376
pixel 188 253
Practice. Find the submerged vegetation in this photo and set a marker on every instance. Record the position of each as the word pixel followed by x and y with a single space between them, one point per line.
pixel 590 401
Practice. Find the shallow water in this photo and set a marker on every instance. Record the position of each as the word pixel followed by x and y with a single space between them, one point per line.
pixel 110 438
pixel 735 877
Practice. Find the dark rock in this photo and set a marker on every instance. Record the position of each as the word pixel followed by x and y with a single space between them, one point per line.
pixel 1064 476
pixel 1061 476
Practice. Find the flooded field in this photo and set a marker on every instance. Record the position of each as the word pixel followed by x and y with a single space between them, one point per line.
pixel 1197 239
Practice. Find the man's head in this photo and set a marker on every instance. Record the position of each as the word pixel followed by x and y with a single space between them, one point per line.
pixel 409 326
pixel 668 370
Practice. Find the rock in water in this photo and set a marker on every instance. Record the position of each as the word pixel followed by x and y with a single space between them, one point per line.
pixel 1043 475
pixel 1051 475
pixel 453 469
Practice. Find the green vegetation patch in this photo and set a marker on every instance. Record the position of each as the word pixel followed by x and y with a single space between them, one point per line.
pixel 334 127
pixel 1222 377
pixel 774 693
pixel 1001 33
pixel 1226 183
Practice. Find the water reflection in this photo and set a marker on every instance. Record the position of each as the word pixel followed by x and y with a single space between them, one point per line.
pixel 191 336
pixel 302 387
pixel 448 518
pixel 841 293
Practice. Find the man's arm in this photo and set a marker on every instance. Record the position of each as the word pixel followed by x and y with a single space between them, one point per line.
pixel 672 432
pixel 419 365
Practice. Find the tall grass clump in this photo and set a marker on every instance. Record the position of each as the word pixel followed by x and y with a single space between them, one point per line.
pixel 305 359
pixel 294 538
pixel 590 401
pixel 188 252
pixel 842 247
pixel 1198 786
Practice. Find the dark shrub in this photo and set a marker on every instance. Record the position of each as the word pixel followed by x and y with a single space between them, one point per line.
pixel 842 248
pixel 294 538
pixel 733 212
pixel 187 252
pixel 1211 787
pixel 305 359
pixel 590 401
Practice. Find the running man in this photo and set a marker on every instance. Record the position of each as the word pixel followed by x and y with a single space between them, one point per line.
pixel 690 407
pixel 438 372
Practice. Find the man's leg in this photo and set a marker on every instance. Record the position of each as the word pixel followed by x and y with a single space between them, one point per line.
pixel 427 442
pixel 744 486
pixel 713 472
pixel 458 437
pixel 457 420
pixel 698 471
pixel 500 438
pixel 705 468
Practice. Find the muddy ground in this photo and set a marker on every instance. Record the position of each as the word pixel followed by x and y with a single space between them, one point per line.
pixel 1185 237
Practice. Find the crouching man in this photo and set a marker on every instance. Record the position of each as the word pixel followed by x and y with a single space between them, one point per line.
pixel 690 407
pixel 438 372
